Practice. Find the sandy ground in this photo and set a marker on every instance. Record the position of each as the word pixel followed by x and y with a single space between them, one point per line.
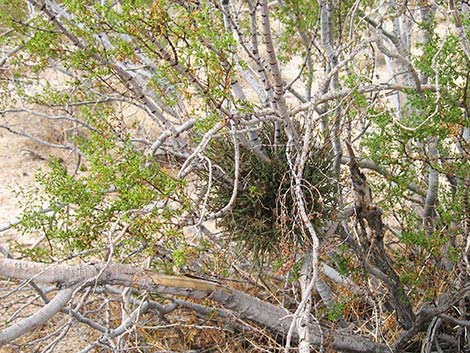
pixel 20 160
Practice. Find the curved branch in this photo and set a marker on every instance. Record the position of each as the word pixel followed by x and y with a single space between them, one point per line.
pixel 344 92
pixel 38 318
pixel 433 184
pixel 368 164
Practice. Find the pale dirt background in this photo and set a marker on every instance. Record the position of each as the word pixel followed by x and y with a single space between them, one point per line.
pixel 20 159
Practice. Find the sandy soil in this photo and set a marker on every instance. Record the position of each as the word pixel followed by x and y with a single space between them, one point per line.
pixel 20 160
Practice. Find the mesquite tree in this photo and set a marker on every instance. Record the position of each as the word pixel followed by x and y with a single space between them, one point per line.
pixel 307 160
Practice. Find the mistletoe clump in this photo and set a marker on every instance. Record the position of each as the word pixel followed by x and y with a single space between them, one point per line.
pixel 263 218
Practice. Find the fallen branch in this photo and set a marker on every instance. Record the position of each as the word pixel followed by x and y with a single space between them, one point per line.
pixel 244 306
pixel 39 318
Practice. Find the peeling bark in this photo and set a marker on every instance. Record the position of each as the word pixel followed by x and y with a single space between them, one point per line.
pixel 372 244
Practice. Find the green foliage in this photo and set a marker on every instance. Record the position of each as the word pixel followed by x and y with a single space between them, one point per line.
pixel 204 124
pixel 118 184
pixel 343 261
pixel 410 279
pixel 296 16
pixel 336 312
pixel 43 43
pixel 401 144
pixel 116 180
pixel 12 12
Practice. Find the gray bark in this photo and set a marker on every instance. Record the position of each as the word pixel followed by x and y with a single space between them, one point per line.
pixel 38 318
pixel 245 307
pixel 433 184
